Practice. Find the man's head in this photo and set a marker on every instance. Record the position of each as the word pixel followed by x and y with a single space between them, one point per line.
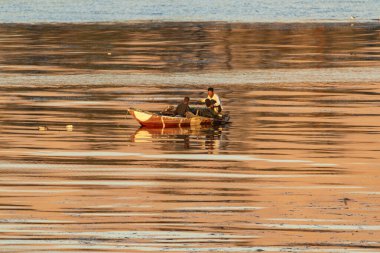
pixel 186 100
pixel 210 92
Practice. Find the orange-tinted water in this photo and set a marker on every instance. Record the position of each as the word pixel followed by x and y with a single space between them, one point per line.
pixel 297 170
pixel 185 47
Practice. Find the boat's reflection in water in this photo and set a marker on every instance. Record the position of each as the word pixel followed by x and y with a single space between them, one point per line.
pixel 211 138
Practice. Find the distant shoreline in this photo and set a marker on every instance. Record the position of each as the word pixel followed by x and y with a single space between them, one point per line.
pixel 371 22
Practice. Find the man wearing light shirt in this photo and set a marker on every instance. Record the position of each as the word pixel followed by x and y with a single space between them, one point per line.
pixel 214 99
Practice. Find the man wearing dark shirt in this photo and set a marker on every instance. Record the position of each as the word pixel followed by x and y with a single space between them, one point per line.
pixel 183 107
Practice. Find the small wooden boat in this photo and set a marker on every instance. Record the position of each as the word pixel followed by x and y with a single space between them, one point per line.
pixel 155 120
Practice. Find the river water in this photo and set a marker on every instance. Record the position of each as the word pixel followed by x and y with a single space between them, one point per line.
pixel 297 170
pixel 69 11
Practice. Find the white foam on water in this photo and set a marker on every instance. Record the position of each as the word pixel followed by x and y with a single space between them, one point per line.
pixel 201 157
pixel 366 193
pixel 323 164
pixel 140 234
pixel 89 240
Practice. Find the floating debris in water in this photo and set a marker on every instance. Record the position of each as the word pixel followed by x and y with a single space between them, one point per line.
pixel 345 200
pixel 43 128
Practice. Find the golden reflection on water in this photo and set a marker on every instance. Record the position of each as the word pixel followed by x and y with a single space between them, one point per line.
pixel 297 170
pixel 184 47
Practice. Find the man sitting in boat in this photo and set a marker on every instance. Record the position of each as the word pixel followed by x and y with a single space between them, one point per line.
pixel 209 111
pixel 214 99
pixel 180 110
pixel 184 110
pixel 183 107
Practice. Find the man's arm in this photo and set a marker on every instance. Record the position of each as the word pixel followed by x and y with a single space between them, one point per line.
pixel 217 100
pixel 177 109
